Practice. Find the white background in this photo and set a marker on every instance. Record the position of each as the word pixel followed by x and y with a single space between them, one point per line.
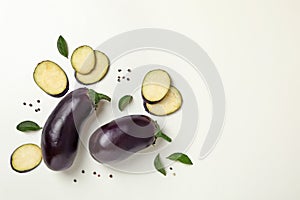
pixel 255 46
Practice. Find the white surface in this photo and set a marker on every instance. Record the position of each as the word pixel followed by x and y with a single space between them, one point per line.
pixel 255 46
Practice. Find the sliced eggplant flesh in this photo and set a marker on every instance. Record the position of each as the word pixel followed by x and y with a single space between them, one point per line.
pixel 26 157
pixel 51 78
pixel 156 85
pixel 170 104
pixel 83 59
pixel 98 73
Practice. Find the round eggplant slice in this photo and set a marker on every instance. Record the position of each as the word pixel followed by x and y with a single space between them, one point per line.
pixel 170 104
pixel 98 73
pixel 83 59
pixel 26 157
pixel 51 78
pixel 156 85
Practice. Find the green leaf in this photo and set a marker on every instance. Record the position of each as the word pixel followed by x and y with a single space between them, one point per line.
pixel 180 157
pixel 124 101
pixel 160 134
pixel 159 166
pixel 62 46
pixel 26 126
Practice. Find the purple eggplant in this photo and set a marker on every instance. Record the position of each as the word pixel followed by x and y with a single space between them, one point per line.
pixel 122 137
pixel 61 132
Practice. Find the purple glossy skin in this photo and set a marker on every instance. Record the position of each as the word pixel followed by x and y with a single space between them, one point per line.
pixel 121 138
pixel 60 133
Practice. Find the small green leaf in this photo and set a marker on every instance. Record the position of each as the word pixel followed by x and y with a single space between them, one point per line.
pixel 160 134
pixel 180 157
pixel 159 166
pixel 26 126
pixel 62 46
pixel 124 101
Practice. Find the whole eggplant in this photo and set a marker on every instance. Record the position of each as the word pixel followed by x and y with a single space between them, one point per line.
pixel 122 137
pixel 61 132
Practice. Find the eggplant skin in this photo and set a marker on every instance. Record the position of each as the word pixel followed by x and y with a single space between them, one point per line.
pixel 60 134
pixel 145 107
pixel 122 137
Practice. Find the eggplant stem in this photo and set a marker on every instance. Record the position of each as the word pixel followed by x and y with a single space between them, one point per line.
pixel 160 134
pixel 95 97
pixel 103 97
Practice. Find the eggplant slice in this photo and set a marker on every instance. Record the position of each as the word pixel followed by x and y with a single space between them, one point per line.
pixel 170 104
pixel 26 157
pixel 98 73
pixel 156 85
pixel 83 59
pixel 51 78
